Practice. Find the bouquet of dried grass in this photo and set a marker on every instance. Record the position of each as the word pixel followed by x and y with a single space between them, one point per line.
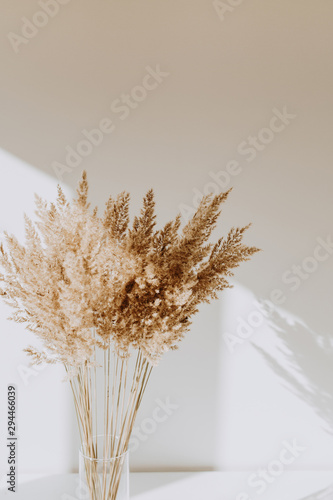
pixel 98 292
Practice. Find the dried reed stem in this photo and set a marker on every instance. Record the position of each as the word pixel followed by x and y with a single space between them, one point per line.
pixel 122 394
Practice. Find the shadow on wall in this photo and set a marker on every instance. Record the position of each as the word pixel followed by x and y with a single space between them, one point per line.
pixel 326 494
pixel 306 369
pixel 306 365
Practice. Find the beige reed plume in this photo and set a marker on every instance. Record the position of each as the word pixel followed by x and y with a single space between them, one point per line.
pixel 87 284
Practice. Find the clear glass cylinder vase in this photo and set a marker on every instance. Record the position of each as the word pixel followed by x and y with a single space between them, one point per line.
pixel 103 472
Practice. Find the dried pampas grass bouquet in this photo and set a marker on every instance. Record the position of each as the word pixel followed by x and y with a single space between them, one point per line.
pixel 108 300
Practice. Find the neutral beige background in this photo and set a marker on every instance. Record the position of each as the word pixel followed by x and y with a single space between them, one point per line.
pixel 225 79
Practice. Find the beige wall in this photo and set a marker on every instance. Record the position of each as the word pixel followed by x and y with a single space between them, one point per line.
pixel 223 82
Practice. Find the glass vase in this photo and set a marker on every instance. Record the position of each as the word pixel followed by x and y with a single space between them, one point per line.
pixel 104 473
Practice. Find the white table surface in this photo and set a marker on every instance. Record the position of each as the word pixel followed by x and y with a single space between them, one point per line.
pixel 192 486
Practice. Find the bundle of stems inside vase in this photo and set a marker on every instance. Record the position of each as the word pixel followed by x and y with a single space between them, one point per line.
pixel 100 293
pixel 108 397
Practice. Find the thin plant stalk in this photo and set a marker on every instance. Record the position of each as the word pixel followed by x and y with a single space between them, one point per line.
pixel 122 392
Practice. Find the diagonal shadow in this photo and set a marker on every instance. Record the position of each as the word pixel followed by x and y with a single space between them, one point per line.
pixel 326 494
pixel 300 353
